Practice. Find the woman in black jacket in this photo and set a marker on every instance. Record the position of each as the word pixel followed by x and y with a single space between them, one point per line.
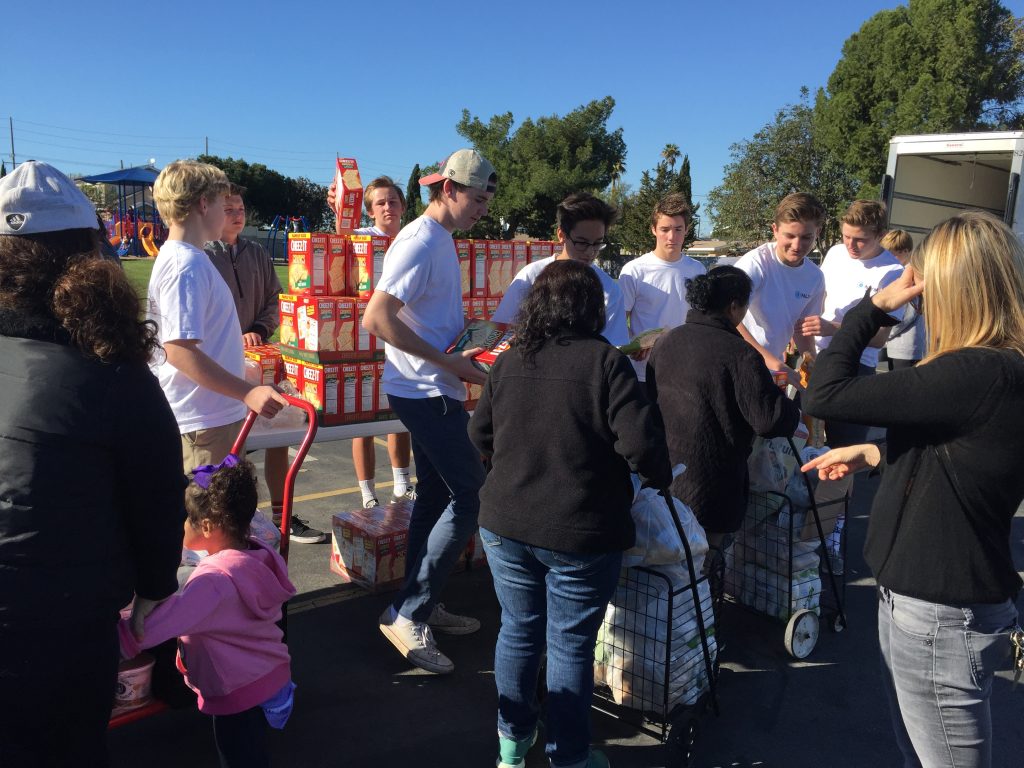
pixel 91 480
pixel 562 422
pixel 715 395
pixel 938 536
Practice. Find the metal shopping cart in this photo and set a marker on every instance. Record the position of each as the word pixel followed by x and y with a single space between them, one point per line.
pixel 656 661
pixel 124 717
pixel 784 556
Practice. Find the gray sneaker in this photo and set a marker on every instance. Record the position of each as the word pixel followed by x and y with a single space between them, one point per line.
pixel 416 642
pixel 451 623
pixel 371 503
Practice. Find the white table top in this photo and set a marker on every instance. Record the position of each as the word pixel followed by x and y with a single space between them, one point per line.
pixel 261 437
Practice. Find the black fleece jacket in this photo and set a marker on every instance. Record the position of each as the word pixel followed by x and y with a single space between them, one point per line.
pixel 952 480
pixel 715 394
pixel 91 481
pixel 562 434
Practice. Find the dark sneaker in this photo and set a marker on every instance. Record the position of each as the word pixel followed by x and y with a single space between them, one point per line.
pixel 301 533
pixel 451 623
pixel 409 495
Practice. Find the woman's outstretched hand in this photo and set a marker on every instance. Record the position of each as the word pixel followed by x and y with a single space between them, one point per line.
pixel 899 292
pixel 840 462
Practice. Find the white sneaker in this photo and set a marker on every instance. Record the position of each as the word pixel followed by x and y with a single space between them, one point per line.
pixel 451 623
pixel 415 641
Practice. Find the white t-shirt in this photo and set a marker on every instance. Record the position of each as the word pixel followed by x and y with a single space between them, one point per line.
pixel 846 281
pixel 615 313
pixel 421 270
pixel 781 296
pixel 374 230
pixel 188 299
pixel 654 295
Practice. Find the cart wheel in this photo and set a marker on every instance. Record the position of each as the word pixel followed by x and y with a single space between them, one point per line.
pixel 682 738
pixel 801 634
pixel 838 623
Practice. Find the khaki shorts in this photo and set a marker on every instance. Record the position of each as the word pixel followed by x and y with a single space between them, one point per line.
pixel 208 446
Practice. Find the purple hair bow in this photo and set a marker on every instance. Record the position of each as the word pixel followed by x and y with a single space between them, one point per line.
pixel 201 475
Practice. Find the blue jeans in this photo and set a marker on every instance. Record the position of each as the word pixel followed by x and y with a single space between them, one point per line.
pixel 937 666
pixel 557 599
pixel 449 474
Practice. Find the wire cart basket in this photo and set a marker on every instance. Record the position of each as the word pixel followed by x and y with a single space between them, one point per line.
pixel 782 559
pixel 656 663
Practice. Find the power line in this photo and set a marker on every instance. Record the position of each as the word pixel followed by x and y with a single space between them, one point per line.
pixel 23 131
pixel 109 133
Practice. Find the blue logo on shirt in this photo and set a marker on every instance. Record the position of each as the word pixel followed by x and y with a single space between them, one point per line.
pixel 801 295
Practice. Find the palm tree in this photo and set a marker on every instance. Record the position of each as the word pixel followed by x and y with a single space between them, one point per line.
pixel 618 168
pixel 670 154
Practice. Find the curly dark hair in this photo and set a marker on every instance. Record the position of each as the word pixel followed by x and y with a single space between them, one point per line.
pixel 714 292
pixel 567 298
pixel 229 502
pixel 61 275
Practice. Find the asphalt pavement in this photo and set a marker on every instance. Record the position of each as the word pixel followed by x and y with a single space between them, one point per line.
pixel 360 705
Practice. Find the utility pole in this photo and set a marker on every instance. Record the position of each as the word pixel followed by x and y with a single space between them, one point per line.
pixel 11 123
pixel 207 138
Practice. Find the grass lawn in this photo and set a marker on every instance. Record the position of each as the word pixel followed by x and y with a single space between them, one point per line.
pixel 138 271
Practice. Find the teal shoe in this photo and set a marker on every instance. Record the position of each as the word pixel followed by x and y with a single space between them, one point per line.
pixel 597 759
pixel 512 752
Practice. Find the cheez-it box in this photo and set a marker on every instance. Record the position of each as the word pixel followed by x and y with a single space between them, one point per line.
pixel 464 250
pixel 499 266
pixel 477 309
pixel 315 318
pixel 348 195
pixel 365 263
pixel 286 308
pixel 292 371
pixel 478 250
pixel 520 257
pixel 268 358
pixel 493 302
pixel 368 546
pixel 307 263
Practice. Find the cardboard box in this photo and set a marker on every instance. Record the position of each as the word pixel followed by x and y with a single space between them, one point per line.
pixel 466 308
pixel 473 392
pixel 337 265
pixel 383 411
pixel 365 263
pixel 368 546
pixel 465 252
pixel 291 369
pixel 268 358
pixel 332 389
pixel 499 267
pixel 492 304
pixel 289 336
pixel 493 337
pixel 308 267
pixel 315 323
pixel 477 309
pixel 368 390
pixel 520 257
pixel 478 250
pixel 348 195
pixel 539 249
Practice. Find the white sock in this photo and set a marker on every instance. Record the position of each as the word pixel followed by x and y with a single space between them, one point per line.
pixel 401 475
pixel 367 489
pixel 397 618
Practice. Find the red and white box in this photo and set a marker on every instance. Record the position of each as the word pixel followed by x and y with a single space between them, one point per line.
pixel 464 250
pixel 477 309
pixel 368 546
pixel 492 303
pixel 365 263
pixel 348 195
pixel 286 308
pixel 267 358
pixel 478 250
pixel 520 257
pixel 499 267
pixel 316 323
pixel 539 249
pixel 309 263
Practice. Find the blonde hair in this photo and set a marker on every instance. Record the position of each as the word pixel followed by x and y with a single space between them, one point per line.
pixel 182 184
pixel 973 271
pixel 897 240
pixel 867 214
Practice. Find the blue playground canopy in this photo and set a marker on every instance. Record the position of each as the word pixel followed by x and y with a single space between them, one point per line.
pixel 139 176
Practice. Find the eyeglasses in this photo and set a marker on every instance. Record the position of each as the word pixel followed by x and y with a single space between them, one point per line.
pixel 586 245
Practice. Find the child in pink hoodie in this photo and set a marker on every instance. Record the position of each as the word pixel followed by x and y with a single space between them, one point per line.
pixel 230 649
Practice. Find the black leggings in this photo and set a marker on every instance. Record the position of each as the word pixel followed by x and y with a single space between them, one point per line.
pixel 242 739
pixel 895 364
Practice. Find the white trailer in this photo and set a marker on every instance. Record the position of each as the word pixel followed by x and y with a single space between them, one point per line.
pixel 931 177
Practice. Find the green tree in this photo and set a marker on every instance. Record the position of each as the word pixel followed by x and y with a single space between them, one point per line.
pixel 633 233
pixel 271 194
pixel 785 156
pixel 541 162
pixel 413 198
pixel 930 66
pixel 670 154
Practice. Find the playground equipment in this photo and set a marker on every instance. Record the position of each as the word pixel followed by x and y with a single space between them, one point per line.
pixel 137 229
pixel 284 224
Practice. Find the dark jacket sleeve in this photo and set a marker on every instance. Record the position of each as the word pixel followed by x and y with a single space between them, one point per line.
pixel 766 409
pixel 267 314
pixel 944 393
pixel 481 425
pixel 637 424
pixel 151 482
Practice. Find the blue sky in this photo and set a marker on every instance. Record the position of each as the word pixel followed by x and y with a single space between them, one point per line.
pixel 91 84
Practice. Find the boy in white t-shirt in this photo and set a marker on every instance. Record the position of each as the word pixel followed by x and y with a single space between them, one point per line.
pixel 856 267
pixel 417 310
pixel 583 222
pixel 787 286
pixel 385 204
pixel 654 285
pixel 201 368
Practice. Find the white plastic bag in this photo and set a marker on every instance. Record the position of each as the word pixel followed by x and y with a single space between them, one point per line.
pixel 657 540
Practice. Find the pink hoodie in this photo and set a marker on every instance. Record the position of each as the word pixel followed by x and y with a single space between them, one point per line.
pixel 230 652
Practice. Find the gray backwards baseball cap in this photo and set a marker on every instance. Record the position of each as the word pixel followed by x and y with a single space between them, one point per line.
pixel 36 198
pixel 467 167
